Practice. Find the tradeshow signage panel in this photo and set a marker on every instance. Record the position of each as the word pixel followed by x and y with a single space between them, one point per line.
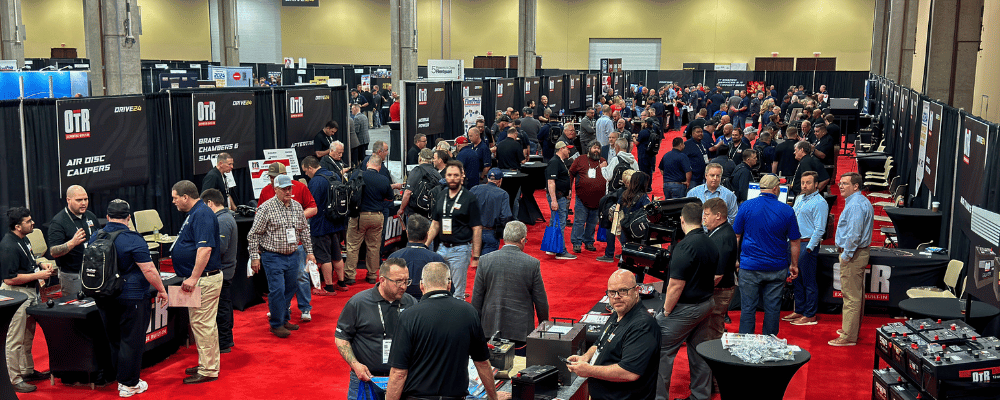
pixel 300 3
pixel 308 111
pixel 927 155
pixel 575 90
pixel 222 123
pixel 103 143
pixel 505 93
pixel 431 103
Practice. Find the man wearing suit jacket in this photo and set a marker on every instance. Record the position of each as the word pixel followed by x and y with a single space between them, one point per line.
pixel 508 287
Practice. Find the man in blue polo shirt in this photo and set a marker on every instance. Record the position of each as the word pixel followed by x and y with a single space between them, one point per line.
pixel 676 170
pixel 766 228
pixel 697 155
pixel 197 259
pixel 416 253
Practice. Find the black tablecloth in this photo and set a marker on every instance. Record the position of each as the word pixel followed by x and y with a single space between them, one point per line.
pixel 895 271
pixel 736 377
pixel 511 184
pixel 529 211
pixel 915 226
pixel 945 309
pixel 7 310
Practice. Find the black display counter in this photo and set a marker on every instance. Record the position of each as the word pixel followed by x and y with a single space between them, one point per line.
pixel 949 308
pixel 512 183
pixel 8 308
pixel 766 380
pixel 915 226
pixel 890 273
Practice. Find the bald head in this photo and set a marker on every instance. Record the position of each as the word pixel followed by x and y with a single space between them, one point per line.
pixel 436 276
pixel 622 277
pixel 75 190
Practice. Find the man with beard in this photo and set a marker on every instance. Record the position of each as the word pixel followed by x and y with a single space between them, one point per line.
pixel 457 218
pixel 590 186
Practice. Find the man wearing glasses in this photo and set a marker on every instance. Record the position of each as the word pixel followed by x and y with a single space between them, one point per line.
pixel 367 324
pixel 622 363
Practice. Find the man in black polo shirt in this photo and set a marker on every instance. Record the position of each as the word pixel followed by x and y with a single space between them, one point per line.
pixel 68 232
pixel 432 343
pixel 368 322
pixel 457 218
pixel 808 162
pixel 325 137
pixel 823 146
pixel 785 162
pixel 688 304
pixel 509 152
pixel 413 154
pixel 715 217
pixel 216 179
pixel 622 363
pixel 367 226
pixel 557 191
pixel 21 274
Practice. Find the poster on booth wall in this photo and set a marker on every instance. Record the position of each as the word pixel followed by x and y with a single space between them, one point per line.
pixel 366 82
pixel 258 176
pixel 222 123
pixel 103 143
pixel 284 156
pixel 473 110
pixel 307 113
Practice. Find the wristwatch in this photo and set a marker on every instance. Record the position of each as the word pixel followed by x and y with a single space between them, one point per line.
pixel 475 258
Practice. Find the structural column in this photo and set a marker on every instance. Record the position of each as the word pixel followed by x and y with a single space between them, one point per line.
pixel 880 36
pixel 526 37
pixel 111 31
pixel 228 27
pixel 952 49
pixel 403 18
pixel 11 32
pixel 902 35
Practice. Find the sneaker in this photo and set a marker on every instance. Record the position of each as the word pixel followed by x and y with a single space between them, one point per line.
pixel 791 317
pixel 129 391
pixel 590 247
pixel 281 332
pixel 550 253
pixel 565 256
pixel 605 259
pixel 24 387
pixel 306 317
pixel 805 321
pixel 576 248
pixel 841 342
pixel 342 288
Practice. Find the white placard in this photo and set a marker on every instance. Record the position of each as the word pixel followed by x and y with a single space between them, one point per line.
pixel 162 66
pixel 445 70
pixel 258 176
pixel 288 155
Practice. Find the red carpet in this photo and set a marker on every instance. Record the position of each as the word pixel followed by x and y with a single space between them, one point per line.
pixel 307 365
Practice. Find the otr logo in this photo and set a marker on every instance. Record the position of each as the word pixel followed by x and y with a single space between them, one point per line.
pixel 295 105
pixel 76 123
pixel 206 113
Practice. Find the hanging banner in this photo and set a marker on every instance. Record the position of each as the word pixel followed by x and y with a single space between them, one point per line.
pixel 505 94
pixel 307 113
pixel 972 162
pixel 555 95
pixel 431 103
pixel 103 143
pixel 222 123
pixel 472 111
pixel 575 91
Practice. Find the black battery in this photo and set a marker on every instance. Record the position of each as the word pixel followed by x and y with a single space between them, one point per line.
pixel 904 391
pixel 535 382
pixel 883 381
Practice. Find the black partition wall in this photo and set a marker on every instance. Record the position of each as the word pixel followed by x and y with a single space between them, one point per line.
pixel 574 92
pixel 554 91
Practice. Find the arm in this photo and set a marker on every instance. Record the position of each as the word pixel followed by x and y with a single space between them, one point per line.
pixel 309 212
pixel 153 276
pixel 822 185
pixel 344 348
pixel 22 279
pixel 674 289
pixel 793 270
pixel 819 222
pixel 687 179
pixel 397 377
pixel 774 167
pixel 477 243
pixel 610 373
pixel 552 194
pixel 538 296
pixel 60 250
pixel 406 201
pixel 485 374
pixel 200 262
pixel 432 233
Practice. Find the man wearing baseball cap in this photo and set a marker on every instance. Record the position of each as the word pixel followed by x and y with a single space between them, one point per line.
pixel 470 159
pixel 494 207
pixel 558 187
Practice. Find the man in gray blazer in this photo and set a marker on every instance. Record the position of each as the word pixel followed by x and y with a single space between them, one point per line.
pixel 509 286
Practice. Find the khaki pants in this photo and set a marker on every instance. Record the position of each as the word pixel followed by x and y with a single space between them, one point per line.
pixel 204 326
pixel 371 122
pixel 20 336
pixel 852 286
pixel 717 318
pixel 365 228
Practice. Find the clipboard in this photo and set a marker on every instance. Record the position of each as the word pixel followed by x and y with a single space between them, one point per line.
pixel 177 297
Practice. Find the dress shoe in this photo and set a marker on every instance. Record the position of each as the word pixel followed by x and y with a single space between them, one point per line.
pixel 199 378
pixel 226 350
pixel 576 248
pixel 791 317
pixel 281 332
pixel 605 259
pixel 841 342
pixel 341 288
pixel 590 247
pixel 371 280
pixel 349 282
pixel 805 321
pixel 25 387
pixel 35 376
pixel 191 371
pixel 290 326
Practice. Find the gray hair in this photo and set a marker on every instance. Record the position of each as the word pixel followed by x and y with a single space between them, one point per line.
pixel 336 144
pixel 374 160
pixel 435 275
pixel 621 145
pixel 514 232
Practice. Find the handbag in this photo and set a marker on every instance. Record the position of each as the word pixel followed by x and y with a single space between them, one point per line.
pixel 602 234
pixel 369 391
pixel 553 240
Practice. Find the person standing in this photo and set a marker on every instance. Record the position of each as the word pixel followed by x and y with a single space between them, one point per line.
pixel 216 179
pixel 457 219
pixel 278 228
pixel 676 169
pixel 21 273
pixel 810 211
pixel 368 323
pixel 510 155
pixel 413 154
pixel 687 305
pixel 126 317
pixel 68 233
pixel 588 131
pixel 854 239
pixel 590 186
pixel 743 175
pixel 697 156
pixel 808 162
pixel 366 227
pixel 326 234
pixel 508 290
pixel 424 172
pixel 786 161
pixel 714 217
pixel 557 189
pixel 334 162
pixel 360 126
pixel 433 342
pixel 494 203
pixel 622 363
pixel 416 254
pixel 197 258
pixel 469 158
pixel 713 188
pixel 324 138
pixel 604 125
pixel 227 245
pixel 765 228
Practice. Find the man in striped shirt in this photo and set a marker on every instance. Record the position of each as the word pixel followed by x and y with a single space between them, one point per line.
pixel 854 238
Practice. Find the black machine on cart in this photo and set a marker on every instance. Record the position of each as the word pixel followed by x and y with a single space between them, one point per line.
pixel 651 254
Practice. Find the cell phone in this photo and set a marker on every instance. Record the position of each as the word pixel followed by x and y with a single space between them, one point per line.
pixel 563 359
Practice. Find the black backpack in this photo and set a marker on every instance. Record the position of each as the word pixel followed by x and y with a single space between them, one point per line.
pixel 331 212
pixel 424 196
pixel 635 225
pixel 604 214
pixel 653 148
pixel 616 176
pixel 100 276
pixel 347 197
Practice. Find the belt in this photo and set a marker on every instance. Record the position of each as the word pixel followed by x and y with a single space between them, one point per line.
pixel 371 212
pixel 676 183
pixel 487 229
pixel 450 245
pixel 841 249
pixel 280 254
pixel 210 273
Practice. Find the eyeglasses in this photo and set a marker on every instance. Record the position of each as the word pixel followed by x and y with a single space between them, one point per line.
pixel 406 282
pixel 619 292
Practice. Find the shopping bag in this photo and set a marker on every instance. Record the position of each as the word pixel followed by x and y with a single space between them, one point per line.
pixel 553 241
pixel 313 271
pixel 370 391
pixel 602 234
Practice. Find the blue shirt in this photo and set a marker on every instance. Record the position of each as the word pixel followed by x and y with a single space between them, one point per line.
pixel 378 189
pixel 854 229
pixel 319 186
pixel 471 163
pixel 702 192
pixel 745 103
pixel 697 156
pixel 416 255
pixel 494 204
pixel 383 170
pixel 131 250
pixel 485 155
pixel 604 127
pixel 675 166
pixel 200 229
pixel 766 225
pixel 811 211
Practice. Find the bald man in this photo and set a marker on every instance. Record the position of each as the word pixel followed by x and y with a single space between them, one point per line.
pixel 69 231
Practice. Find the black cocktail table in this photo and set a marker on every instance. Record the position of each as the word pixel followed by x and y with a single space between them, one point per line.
pixel 735 376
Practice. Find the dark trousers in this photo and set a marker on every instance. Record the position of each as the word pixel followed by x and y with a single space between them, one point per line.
pixel 125 322
pixel 225 316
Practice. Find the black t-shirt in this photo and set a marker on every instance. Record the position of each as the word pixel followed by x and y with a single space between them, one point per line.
pixel 808 163
pixel 463 212
pixel 509 154
pixel 16 258
pixel 322 141
pixel 784 154
pixel 370 99
pixel 214 180
pixel 833 131
pixel 62 228
pixel 724 238
pixel 361 324
pixel 634 344
pixel 433 342
pixel 825 144
pixel 695 260
pixel 377 190
pixel 557 171
pixel 413 155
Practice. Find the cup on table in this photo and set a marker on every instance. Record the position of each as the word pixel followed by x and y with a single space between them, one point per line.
pixel 935 205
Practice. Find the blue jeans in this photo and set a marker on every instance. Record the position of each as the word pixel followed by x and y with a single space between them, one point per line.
pixel 303 295
pixel 282 273
pixel 563 208
pixel 457 259
pixel 490 242
pixel 532 148
pixel 584 224
pixel 806 291
pixel 609 251
pixel 674 190
pixel 740 122
pixel 756 286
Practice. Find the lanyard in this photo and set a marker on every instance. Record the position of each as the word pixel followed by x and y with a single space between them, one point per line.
pixel 381 317
pixel 700 147
pixel 85 224
pixel 454 204
pixel 20 244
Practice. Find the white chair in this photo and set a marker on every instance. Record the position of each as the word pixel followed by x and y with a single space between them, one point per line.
pixel 950 280
pixel 147 221
pixel 38 245
pixel 892 188
pixel 898 195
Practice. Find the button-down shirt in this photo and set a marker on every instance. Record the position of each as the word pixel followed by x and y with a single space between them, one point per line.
pixel 494 204
pixel 702 192
pixel 604 127
pixel 810 212
pixel 854 229
pixel 270 229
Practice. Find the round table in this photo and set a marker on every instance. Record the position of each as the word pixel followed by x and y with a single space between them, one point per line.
pixel 511 184
pixel 535 179
pixel 7 310
pixel 915 226
pixel 949 308
pixel 735 376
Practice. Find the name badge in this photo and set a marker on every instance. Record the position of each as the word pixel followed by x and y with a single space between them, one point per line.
pixel 386 346
pixel 592 173
pixel 90 223
pixel 594 358
pixel 290 235
pixel 446 226
pixel 705 156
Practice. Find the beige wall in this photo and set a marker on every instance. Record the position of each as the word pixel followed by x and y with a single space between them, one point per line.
pixel 49 23
pixel 988 65
pixel 920 47
pixel 175 30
